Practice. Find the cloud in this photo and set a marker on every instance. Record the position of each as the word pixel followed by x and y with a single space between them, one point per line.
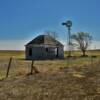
pixel 12 44
pixel 20 44
pixel 94 45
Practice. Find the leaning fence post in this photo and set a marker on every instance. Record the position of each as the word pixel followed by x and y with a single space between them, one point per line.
pixel 33 68
pixel 8 68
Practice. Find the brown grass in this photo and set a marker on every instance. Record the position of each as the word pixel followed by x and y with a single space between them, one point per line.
pixel 78 79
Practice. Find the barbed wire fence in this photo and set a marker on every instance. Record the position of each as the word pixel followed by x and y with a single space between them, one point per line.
pixel 15 67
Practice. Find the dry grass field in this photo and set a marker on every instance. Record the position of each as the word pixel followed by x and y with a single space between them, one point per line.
pixel 77 78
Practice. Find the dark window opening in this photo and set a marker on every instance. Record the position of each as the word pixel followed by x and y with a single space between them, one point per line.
pixel 47 49
pixel 30 51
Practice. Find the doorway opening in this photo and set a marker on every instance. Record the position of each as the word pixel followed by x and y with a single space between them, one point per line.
pixel 30 51
pixel 56 52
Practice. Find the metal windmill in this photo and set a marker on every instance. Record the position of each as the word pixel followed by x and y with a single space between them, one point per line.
pixel 68 24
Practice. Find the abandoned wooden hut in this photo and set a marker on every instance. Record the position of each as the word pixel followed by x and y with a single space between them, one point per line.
pixel 44 47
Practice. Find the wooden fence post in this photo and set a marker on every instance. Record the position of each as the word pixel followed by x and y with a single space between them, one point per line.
pixel 33 68
pixel 8 68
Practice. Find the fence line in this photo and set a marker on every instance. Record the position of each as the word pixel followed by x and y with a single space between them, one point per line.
pixel 31 65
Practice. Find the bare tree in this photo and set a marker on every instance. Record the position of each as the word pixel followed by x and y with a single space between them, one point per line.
pixel 52 33
pixel 82 41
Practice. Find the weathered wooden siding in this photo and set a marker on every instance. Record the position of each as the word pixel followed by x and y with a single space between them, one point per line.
pixel 42 53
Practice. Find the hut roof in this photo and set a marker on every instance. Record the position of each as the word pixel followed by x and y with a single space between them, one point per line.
pixel 44 39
